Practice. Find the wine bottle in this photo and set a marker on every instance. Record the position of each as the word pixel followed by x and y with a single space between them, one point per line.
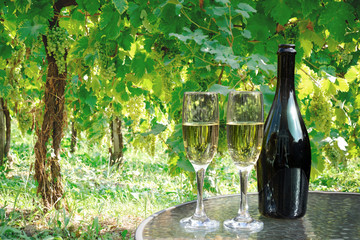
pixel 283 167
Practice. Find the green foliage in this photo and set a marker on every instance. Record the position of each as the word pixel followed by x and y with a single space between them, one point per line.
pixel 135 59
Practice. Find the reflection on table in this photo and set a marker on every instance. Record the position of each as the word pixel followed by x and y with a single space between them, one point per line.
pixel 329 216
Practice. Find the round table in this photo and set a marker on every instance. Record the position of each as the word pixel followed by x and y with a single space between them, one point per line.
pixel 330 215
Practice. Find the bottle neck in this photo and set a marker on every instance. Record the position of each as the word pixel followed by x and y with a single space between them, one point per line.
pixel 285 74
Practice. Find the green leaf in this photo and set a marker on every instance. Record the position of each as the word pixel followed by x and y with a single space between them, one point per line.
pixel 308 6
pixel 156 129
pixel 120 5
pixel 268 97
pixel 5 49
pixel 185 164
pixel 217 11
pixel 92 6
pixel 31 29
pixel 80 47
pixel 110 22
pixel 336 23
pixel 343 85
pixel 223 90
pixel 126 39
pixel 278 10
pixel 352 74
pixel 158 87
pixel 246 34
pixel 141 65
pixel 91 101
pixel 198 36
pixel 246 7
pixel 222 54
pixel 223 1
pixel 357 102
pixel 341 116
pixel 261 26
pixel 257 61
pixel 22 5
pixel 134 13
pixel 307 45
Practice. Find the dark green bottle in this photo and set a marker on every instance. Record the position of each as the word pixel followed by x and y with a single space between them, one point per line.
pixel 283 168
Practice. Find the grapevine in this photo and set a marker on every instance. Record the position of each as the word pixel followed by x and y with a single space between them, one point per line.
pixel 58 44
pixel 321 111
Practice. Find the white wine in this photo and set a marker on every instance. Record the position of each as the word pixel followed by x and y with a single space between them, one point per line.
pixel 200 141
pixel 244 142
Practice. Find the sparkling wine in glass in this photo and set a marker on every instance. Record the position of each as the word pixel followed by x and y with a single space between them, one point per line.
pixel 201 134
pixel 244 126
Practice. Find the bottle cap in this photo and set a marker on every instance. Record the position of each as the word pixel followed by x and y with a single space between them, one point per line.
pixel 286 48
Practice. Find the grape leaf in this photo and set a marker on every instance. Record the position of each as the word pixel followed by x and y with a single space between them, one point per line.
pixel 156 129
pixel 120 5
pixel 140 64
pixel 341 116
pixel 257 61
pixel 246 7
pixel 336 23
pixel 268 97
pixel 80 47
pixel 223 90
pixel 352 74
pixel 5 49
pixel 308 6
pixel 223 1
pixel 91 6
pixel 134 13
pixel 342 84
pixel 22 5
pixel 126 39
pixel 278 10
pixel 110 22
pixel 260 25
pixel 31 29
pixel 198 36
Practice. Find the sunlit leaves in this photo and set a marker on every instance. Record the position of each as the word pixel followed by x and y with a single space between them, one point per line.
pixel 353 73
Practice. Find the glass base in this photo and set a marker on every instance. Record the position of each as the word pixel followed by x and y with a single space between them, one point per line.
pixel 249 225
pixel 192 223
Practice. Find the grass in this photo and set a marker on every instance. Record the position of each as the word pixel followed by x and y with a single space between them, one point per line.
pixel 107 203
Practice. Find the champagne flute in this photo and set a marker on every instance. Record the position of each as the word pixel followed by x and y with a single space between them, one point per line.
pixel 244 126
pixel 201 133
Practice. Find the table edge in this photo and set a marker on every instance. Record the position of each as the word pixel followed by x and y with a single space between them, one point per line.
pixel 140 228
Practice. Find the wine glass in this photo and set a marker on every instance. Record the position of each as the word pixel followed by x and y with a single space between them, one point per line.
pixel 201 133
pixel 244 127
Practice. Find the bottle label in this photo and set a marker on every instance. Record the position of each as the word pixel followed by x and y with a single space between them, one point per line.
pixel 285 195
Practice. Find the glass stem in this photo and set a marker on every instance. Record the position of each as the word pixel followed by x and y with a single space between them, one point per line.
pixel 200 212
pixel 243 210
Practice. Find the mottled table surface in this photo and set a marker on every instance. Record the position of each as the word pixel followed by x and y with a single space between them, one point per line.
pixel 329 215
